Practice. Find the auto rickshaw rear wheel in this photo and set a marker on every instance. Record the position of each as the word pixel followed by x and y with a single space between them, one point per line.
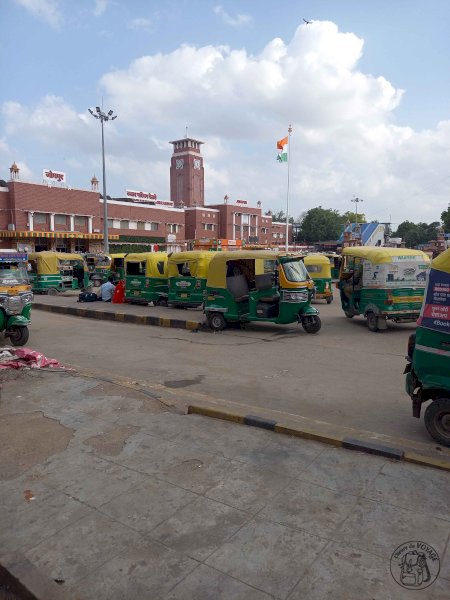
pixel 437 420
pixel 348 314
pixel 311 324
pixel 216 321
pixel 18 335
pixel 372 321
pixel 329 299
pixel 52 292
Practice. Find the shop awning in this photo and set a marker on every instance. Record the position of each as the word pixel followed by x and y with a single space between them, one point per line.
pixel 76 235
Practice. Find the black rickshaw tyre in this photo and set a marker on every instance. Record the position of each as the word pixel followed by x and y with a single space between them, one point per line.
pixel 437 420
pixel 162 302
pixel 216 321
pixel 19 335
pixel 348 314
pixel 312 324
pixel 52 292
pixel 372 321
pixel 329 300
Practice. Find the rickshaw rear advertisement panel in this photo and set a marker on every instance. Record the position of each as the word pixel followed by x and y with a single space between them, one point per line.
pixel 397 274
pixel 436 308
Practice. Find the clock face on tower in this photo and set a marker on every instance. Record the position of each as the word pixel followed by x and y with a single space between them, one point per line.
pixel 197 163
pixel 179 163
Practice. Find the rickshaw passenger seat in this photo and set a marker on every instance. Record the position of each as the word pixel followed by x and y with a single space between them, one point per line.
pixel 238 287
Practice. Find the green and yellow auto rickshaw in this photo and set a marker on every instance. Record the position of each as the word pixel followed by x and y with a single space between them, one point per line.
pixel 238 291
pixel 188 272
pixel 15 297
pixel 428 368
pixel 335 263
pixel 54 272
pixel 101 266
pixel 146 278
pixel 382 283
pixel 319 268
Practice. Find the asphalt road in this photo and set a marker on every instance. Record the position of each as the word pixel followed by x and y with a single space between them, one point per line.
pixel 344 375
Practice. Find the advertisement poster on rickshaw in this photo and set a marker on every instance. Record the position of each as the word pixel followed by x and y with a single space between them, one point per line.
pixel 436 308
pixel 400 272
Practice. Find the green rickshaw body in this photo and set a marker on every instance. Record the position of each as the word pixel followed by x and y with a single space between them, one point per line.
pixel 101 266
pixel 53 272
pixel 254 285
pixel 428 368
pixel 188 272
pixel 383 283
pixel 335 263
pixel 15 296
pixel 146 277
pixel 319 269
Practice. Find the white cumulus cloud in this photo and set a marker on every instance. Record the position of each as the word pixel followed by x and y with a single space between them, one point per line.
pixel 236 21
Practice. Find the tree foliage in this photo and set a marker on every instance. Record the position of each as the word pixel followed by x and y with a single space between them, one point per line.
pixel 280 216
pixel 321 224
pixel 445 218
pixel 351 216
pixel 416 233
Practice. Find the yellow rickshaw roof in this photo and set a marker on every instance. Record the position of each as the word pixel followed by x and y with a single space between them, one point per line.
pixel 442 262
pixel 145 256
pixel 181 257
pixel 47 261
pixel 316 259
pixel 379 255
pixel 218 266
pixel 120 255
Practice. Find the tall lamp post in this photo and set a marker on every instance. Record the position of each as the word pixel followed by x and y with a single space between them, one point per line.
pixel 356 201
pixel 110 116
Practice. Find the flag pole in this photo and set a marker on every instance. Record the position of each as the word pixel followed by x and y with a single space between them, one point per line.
pixel 287 195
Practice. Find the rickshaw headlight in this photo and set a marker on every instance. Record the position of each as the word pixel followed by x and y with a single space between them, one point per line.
pixel 3 300
pixel 295 296
pixel 27 297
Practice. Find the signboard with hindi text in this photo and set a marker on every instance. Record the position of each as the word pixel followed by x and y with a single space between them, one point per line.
pixel 436 307
pixel 50 176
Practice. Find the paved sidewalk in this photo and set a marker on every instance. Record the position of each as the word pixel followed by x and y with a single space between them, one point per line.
pixel 114 495
pixel 128 313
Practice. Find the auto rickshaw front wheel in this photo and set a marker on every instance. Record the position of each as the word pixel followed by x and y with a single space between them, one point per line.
pixel 437 420
pixel 52 292
pixel 18 335
pixel 329 299
pixel 216 321
pixel 311 323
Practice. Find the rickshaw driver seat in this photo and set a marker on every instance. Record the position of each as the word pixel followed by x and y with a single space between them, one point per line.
pixel 264 281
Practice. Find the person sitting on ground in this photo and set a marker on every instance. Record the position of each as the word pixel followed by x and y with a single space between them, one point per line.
pixel 107 290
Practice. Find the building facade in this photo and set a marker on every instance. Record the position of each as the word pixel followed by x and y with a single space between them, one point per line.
pixel 52 216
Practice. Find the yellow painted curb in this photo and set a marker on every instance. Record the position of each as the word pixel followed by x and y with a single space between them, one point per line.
pixel 215 413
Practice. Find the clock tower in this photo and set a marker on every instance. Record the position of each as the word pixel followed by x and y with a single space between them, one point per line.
pixel 187 176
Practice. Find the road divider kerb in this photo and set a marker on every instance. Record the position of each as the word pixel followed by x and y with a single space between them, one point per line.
pixel 119 317
pixel 290 427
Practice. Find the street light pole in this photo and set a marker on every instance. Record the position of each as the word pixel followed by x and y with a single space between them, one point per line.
pixel 102 116
pixel 356 201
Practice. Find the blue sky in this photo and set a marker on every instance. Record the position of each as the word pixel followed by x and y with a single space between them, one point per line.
pixel 366 87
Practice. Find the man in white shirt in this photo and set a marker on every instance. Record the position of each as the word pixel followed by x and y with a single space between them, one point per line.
pixel 107 290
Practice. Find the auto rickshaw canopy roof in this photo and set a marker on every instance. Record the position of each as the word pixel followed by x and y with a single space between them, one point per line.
pixel 442 262
pixel 200 258
pixel 218 267
pixel 151 260
pixel 48 262
pixel 321 261
pixel 379 255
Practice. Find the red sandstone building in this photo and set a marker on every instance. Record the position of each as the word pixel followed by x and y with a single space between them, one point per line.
pixel 52 216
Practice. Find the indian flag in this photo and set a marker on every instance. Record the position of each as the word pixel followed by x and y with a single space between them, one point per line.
pixel 282 147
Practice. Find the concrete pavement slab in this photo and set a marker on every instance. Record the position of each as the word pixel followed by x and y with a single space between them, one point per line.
pixel 375 528
pixel 144 570
pixel 248 487
pixel 200 528
pixel 205 583
pixel 147 505
pixel 268 556
pixel 312 508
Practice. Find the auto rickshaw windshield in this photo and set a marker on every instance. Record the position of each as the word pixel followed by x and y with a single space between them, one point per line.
pixel 13 274
pixel 295 270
